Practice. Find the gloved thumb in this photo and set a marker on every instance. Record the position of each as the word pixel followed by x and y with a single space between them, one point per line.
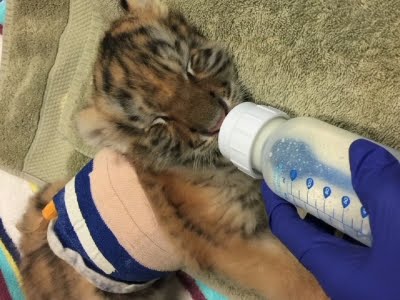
pixel 376 180
pixel 325 255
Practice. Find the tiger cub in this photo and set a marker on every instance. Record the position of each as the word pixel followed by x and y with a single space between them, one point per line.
pixel 161 92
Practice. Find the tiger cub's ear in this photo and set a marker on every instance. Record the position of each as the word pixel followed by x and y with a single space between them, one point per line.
pixel 99 130
pixel 154 7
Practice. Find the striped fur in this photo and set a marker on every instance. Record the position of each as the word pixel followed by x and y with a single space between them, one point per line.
pixel 161 90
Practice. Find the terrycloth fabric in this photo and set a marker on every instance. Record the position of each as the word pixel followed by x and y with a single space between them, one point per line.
pixel 106 228
pixel 30 46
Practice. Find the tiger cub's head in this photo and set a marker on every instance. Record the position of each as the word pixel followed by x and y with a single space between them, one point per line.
pixel 161 90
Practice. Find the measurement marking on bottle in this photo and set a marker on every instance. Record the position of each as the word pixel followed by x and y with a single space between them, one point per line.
pixel 334 217
pixel 309 184
pixel 293 176
pixel 291 188
pixel 291 199
pixel 362 222
pixel 345 203
pixel 327 192
pixel 364 212
pixel 319 216
pixel 298 196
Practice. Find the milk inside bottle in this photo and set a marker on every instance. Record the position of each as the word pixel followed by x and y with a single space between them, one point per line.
pixel 303 160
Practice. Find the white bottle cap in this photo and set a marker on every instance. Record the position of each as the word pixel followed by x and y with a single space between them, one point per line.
pixel 238 132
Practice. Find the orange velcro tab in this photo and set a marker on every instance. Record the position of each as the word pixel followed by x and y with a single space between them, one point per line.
pixel 50 211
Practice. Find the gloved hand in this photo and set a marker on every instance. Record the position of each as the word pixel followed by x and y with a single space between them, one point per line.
pixel 345 270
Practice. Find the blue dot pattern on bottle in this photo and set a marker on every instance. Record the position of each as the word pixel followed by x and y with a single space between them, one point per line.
pixel 345 201
pixel 327 191
pixel 310 183
pixel 293 175
pixel 290 154
pixel 364 212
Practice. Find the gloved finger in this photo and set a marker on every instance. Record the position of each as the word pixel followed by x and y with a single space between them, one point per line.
pixel 335 264
pixel 321 253
pixel 351 240
pixel 376 180
pixel 271 200
pixel 312 220
pixel 298 235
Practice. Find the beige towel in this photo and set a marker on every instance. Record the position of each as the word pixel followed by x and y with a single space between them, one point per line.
pixel 29 49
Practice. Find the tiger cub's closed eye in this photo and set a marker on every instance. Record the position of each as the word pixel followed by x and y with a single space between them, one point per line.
pixel 159 121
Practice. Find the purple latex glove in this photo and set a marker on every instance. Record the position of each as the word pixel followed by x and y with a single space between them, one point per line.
pixel 349 271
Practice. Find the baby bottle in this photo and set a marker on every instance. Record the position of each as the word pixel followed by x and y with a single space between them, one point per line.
pixel 303 160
